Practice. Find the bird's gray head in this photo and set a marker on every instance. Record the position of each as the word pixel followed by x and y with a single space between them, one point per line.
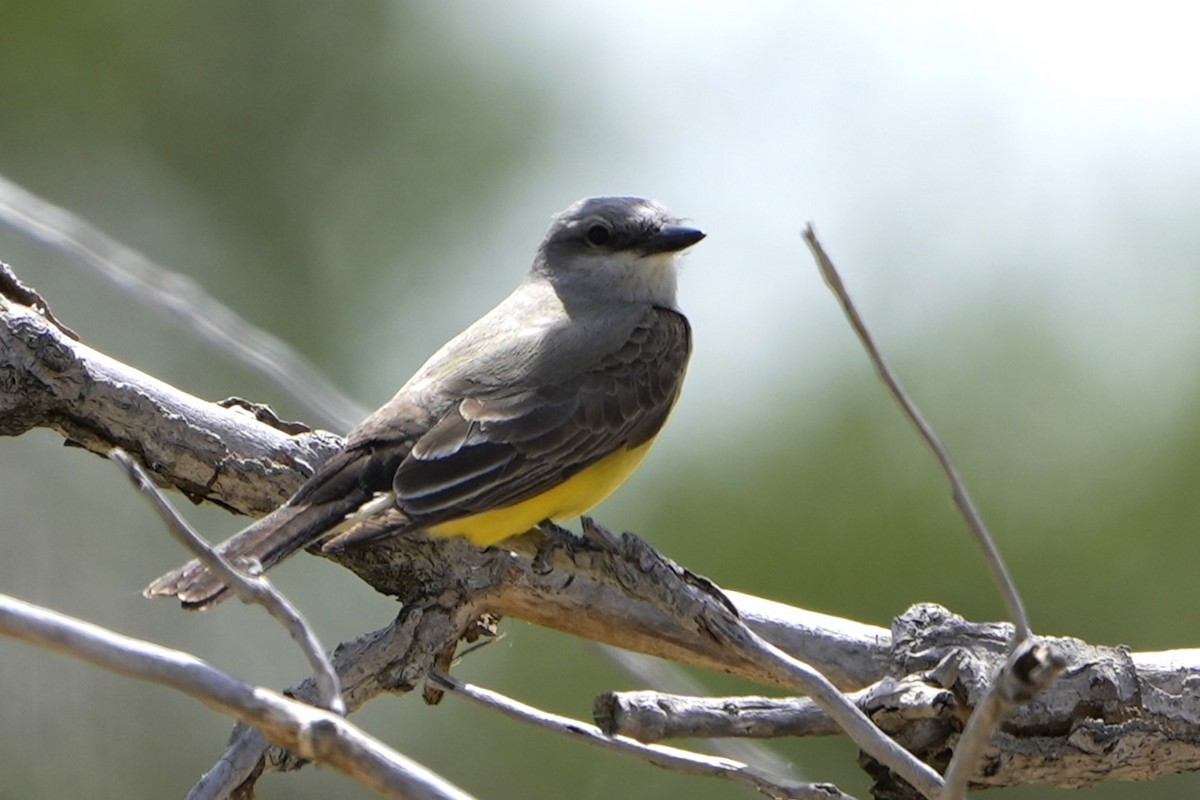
pixel 606 249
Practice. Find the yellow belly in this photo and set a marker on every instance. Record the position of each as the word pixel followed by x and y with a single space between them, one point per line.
pixel 575 496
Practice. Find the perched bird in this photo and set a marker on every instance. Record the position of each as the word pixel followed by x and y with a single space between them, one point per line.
pixel 537 411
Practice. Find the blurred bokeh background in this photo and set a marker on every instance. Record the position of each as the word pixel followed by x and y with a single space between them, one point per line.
pixel 1011 192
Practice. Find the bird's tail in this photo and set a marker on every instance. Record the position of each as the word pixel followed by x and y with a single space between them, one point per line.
pixel 269 541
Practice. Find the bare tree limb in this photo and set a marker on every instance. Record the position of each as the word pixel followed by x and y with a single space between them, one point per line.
pixel 851 654
pixel 313 733
pixel 667 757
pixel 1110 715
pixel 666 676
pixel 654 716
pixel 618 584
pixel 204 450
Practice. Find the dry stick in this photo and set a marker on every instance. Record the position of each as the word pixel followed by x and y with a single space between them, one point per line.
pixel 650 671
pixel 248 588
pixel 311 732
pixel 650 716
pixel 962 499
pixel 233 768
pixel 981 725
pixel 179 298
pixel 659 755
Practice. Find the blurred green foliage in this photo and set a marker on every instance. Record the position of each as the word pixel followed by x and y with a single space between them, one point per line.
pixel 312 139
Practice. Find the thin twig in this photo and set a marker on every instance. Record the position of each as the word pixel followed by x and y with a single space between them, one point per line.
pixel 659 755
pixel 249 588
pixel 962 499
pixel 308 731
pixel 179 298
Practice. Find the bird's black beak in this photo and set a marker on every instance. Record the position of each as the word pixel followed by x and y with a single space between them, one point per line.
pixel 672 239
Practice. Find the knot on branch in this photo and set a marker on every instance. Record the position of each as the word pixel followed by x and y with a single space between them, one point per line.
pixel 11 288
pixel 266 415
pixel 36 376
pixel 943 667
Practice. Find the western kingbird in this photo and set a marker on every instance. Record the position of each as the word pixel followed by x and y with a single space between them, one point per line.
pixel 537 411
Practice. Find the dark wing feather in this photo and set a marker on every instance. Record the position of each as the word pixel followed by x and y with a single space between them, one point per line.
pixel 500 447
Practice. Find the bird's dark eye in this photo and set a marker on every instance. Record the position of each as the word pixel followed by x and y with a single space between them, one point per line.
pixel 598 234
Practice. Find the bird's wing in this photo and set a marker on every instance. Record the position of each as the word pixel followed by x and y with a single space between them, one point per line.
pixel 499 447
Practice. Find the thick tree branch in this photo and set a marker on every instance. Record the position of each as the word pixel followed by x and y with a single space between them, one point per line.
pixel 205 450
pixel 1112 715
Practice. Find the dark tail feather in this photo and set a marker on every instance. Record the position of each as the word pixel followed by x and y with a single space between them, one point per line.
pixel 269 540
